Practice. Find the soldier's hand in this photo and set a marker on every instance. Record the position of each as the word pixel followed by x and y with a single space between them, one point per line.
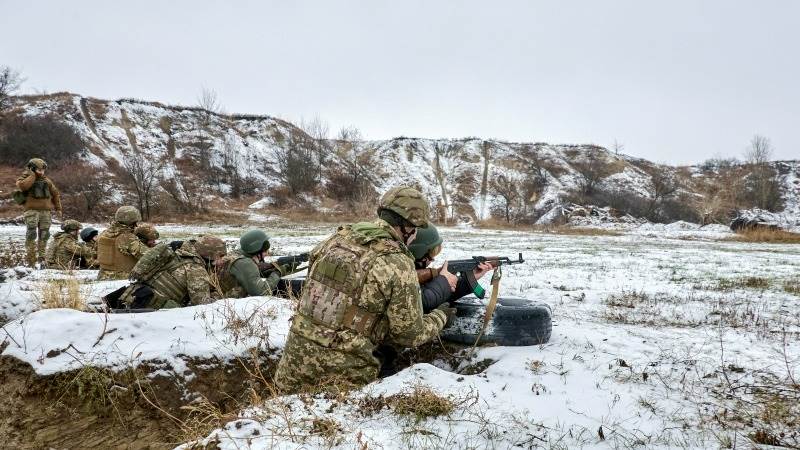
pixel 449 312
pixel 482 269
pixel 452 280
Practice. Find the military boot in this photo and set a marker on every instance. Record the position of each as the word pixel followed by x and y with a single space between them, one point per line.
pixel 42 250
pixel 30 247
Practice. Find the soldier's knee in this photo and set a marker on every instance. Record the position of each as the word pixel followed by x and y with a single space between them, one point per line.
pixel 44 234
pixel 30 234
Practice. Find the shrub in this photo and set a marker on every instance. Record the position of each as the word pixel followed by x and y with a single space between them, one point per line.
pixel 46 137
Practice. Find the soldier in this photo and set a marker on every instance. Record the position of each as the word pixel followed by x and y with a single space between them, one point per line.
pixel 240 276
pixel 147 233
pixel 181 279
pixel 118 248
pixel 89 237
pixel 41 196
pixel 64 251
pixel 439 285
pixel 362 291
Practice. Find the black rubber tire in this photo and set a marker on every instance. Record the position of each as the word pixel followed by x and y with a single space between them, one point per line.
pixel 515 322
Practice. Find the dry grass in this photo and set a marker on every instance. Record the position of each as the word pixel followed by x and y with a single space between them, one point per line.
pixel 766 236
pixel 421 403
pixel 62 294
pixel 743 283
pixel 792 286
pixel 566 230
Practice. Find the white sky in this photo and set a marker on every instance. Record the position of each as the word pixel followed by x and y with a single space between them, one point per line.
pixel 675 81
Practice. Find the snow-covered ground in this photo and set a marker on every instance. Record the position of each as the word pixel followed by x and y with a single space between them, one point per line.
pixel 653 329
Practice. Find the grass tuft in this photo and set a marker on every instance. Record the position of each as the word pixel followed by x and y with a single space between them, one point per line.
pixel 421 403
pixel 765 235
pixel 62 294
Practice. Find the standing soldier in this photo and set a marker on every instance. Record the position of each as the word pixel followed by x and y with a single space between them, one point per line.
pixel 362 291
pixel 239 275
pixel 118 248
pixel 171 279
pixel 64 251
pixel 41 196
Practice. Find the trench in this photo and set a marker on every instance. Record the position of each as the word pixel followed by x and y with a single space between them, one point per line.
pixel 138 408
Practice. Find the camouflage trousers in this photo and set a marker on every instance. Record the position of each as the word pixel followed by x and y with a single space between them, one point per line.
pixel 106 275
pixel 306 366
pixel 37 223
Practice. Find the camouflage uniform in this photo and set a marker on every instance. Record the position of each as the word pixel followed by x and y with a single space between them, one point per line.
pixel 239 277
pixel 181 282
pixel 41 196
pixel 362 292
pixel 118 249
pixel 64 252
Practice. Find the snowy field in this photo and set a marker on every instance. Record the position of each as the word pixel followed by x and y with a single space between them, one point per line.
pixel 664 337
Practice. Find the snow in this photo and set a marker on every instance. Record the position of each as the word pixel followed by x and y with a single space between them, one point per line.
pixel 641 371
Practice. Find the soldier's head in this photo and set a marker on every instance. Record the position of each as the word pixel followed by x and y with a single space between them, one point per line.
pixel 147 233
pixel 405 209
pixel 210 248
pixel 426 246
pixel 71 226
pixel 89 234
pixel 127 215
pixel 37 165
pixel 254 243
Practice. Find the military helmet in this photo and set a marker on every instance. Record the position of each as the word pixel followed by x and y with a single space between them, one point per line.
pixel 127 215
pixel 427 242
pixel 253 242
pixel 37 163
pixel 71 225
pixel 408 203
pixel 146 232
pixel 88 233
pixel 210 247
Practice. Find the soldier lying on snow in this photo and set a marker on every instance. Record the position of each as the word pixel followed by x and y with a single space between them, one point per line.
pixel 65 252
pixel 239 274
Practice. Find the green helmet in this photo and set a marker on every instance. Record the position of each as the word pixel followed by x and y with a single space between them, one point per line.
pixel 210 247
pixel 128 215
pixel 253 242
pixel 88 233
pixel 408 203
pixel 71 225
pixel 146 232
pixel 427 239
pixel 37 163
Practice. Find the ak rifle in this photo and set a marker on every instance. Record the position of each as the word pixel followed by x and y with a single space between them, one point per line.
pixel 467 266
pixel 266 268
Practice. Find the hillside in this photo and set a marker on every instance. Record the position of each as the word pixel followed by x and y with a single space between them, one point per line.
pixel 210 156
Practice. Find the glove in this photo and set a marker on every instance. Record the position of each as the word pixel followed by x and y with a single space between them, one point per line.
pixel 449 312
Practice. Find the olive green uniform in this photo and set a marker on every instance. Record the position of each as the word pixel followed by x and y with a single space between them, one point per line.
pixel 65 252
pixel 362 292
pixel 118 249
pixel 240 277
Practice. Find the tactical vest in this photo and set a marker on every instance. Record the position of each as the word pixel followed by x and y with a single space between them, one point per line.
pixel 228 285
pixel 166 287
pixel 40 189
pixel 330 301
pixel 108 255
pixel 52 249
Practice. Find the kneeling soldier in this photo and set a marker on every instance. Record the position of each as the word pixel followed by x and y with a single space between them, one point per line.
pixel 147 234
pixel 118 248
pixel 89 238
pixel 64 251
pixel 167 278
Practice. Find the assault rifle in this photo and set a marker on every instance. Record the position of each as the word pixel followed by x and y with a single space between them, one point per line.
pixel 467 266
pixel 266 268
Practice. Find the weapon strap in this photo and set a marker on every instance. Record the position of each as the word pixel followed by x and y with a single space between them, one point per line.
pixel 496 276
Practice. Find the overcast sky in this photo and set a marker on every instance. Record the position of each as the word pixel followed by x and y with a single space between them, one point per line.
pixel 676 81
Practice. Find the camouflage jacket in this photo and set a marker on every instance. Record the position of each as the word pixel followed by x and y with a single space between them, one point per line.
pixel 64 252
pixel 239 277
pixel 118 257
pixel 335 332
pixel 183 282
pixel 40 192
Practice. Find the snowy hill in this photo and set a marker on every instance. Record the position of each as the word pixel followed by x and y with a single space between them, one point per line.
pixel 463 177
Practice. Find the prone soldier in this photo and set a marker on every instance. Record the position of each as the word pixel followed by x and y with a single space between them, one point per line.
pixel 65 252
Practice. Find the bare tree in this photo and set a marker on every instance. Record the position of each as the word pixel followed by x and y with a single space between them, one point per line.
pixel 507 193
pixel 319 130
pixel 356 170
pixel 142 172
pixel 10 82
pixel 618 147
pixel 209 102
pixel 591 171
pixel 295 164
pixel 663 185
pixel 763 183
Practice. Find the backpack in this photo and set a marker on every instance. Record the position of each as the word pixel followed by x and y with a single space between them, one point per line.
pixel 153 261
pixel 19 197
